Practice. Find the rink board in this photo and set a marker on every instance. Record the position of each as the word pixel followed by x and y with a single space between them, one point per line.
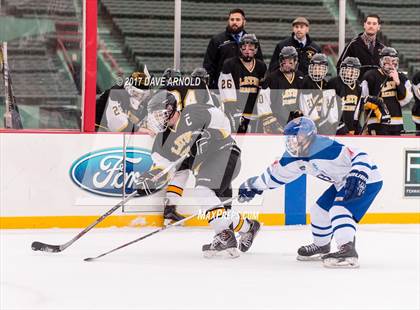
pixel 39 186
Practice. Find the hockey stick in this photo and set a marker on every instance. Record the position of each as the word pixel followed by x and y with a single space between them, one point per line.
pixel 12 117
pixel 90 259
pixel 40 246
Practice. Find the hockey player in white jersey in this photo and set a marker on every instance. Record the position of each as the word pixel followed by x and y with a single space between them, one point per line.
pixel 355 183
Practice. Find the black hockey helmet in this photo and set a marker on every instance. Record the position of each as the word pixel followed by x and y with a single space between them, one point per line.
pixel 388 51
pixel 388 59
pixel 288 52
pixel 350 70
pixel 160 109
pixel 171 73
pixel 318 67
pixel 202 74
pixel 248 39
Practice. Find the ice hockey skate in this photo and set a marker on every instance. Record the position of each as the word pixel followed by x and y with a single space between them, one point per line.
pixel 170 215
pixel 312 252
pixel 224 245
pixel 345 257
pixel 246 238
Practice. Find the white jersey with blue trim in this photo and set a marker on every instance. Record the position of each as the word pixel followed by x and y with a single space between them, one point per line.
pixel 327 160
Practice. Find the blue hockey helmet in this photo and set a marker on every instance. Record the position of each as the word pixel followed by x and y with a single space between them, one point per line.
pixel 299 132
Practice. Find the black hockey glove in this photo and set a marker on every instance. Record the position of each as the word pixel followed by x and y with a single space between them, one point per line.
pixel 355 185
pixel 294 114
pixel 148 183
pixel 378 107
pixel 243 124
pixel 270 124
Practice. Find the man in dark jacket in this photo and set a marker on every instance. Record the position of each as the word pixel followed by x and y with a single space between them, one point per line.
pixel 225 45
pixel 301 41
pixel 365 46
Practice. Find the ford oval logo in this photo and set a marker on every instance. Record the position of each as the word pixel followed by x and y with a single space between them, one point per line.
pixel 101 172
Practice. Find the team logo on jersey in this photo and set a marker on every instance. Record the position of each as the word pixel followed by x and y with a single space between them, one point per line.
pixel 101 172
pixel 309 54
pixel 412 173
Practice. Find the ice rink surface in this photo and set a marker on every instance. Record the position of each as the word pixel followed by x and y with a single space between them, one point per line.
pixel 167 271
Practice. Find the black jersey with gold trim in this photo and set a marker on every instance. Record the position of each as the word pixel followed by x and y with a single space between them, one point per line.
pixel 240 86
pixel 376 83
pixel 348 100
pixel 196 118
pixel 280 95
pixel 190 94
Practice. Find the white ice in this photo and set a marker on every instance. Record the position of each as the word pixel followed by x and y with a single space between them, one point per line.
pixel 167 271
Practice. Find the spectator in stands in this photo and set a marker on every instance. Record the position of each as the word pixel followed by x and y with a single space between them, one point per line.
pixel 300 40
pixel 366 46
pixel 225 45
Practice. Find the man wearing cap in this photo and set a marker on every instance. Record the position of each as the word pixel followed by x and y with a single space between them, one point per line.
pixel 300 40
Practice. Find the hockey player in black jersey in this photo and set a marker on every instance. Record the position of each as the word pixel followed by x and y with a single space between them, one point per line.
pixel 198 93
pixel 204 132
pixel 392 87
pixel 122 107
pixel 348 91
pixel 415 112
pixel 239 84
pixel 317 100
pixel 280 92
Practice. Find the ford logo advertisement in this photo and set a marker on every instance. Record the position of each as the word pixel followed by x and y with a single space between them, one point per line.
pixel 101 172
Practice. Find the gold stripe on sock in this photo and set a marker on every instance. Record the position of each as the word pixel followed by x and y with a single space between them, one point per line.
pixel 240 224
pixel 175 189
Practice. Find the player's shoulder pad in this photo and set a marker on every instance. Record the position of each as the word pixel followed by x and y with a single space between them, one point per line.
pixel 333 82
pixel 261 64
pixel 299 74
pixel 228 64
pixel 287 159
pixel 325 148
pixel 370 74
pixel 268 80
pixel 196 114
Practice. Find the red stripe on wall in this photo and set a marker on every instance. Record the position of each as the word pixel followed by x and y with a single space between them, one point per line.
pixel 90 70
